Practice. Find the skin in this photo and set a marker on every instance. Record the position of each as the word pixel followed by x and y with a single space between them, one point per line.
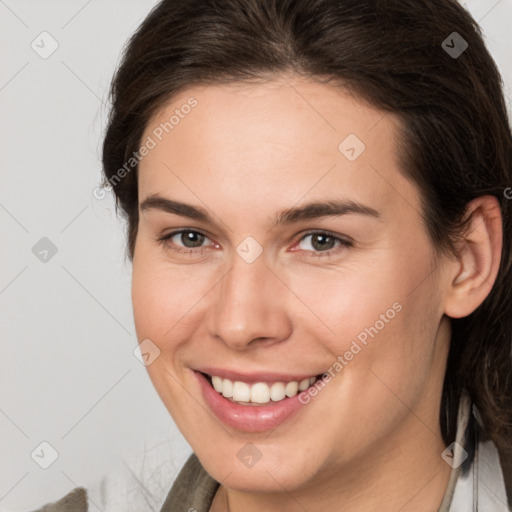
pixel 370 440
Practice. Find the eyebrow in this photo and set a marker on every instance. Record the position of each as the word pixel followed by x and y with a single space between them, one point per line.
pixel 331 208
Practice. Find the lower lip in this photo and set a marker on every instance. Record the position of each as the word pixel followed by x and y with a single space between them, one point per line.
pixel 249 418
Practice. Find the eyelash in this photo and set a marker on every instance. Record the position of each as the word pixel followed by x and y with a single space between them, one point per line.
pixel 166 242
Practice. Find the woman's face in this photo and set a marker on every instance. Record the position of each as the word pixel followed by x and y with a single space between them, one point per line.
pixel 264 288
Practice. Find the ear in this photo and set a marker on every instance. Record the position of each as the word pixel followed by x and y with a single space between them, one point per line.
pixel 474 272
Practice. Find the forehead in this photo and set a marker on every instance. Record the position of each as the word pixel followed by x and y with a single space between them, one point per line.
pixel 276 140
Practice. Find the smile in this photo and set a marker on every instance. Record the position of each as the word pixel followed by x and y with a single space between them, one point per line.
pixel 259 392
pixel 253 403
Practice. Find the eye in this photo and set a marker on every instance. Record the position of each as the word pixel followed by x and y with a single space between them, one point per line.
pixel 188 238
pixel 322 243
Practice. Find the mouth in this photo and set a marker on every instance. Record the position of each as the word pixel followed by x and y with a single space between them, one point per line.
pixel 258 393
pixel 253 403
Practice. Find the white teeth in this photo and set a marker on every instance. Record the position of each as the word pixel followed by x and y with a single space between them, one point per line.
pixel 291 388
pixel 277 391
pixel 303 384
pixel 217 383
pixel 241 392
pixel 227 388
pixel 261 392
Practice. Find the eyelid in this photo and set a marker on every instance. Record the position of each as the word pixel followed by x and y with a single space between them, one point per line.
pixel 344 242
pixel 165 239
pixel 331 234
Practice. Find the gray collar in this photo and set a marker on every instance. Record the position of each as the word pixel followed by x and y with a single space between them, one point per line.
pixel 476 482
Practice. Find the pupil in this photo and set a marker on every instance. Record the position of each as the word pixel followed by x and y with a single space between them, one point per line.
pixel 323 244
pixel 196 239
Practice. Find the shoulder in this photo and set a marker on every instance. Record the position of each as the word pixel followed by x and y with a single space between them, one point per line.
pixel 193 488
pixel 74 501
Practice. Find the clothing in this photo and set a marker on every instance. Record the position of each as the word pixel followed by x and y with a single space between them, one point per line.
pixel 475 485
pixel 478 484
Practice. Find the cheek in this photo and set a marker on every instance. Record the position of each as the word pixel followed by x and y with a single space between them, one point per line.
pixel 164 302
pixel 164 297
pixel 382 314
pixel 346 301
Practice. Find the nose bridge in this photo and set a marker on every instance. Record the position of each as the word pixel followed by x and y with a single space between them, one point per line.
pixel 249 304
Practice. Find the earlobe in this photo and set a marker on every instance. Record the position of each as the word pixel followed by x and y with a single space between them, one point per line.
pixel 479 255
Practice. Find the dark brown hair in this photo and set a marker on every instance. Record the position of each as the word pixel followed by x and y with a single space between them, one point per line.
pixel 456 139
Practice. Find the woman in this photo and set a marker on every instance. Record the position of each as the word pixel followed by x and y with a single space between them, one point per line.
pixel 318 204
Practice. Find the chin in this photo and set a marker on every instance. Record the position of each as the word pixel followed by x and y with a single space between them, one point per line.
pixel 265 476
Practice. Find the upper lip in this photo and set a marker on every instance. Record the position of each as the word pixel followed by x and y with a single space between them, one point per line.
pixel 253 377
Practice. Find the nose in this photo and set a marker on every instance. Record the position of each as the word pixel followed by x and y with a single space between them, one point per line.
pixel 249 307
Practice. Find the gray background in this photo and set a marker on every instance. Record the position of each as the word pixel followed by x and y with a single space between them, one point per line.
pixel 68 373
